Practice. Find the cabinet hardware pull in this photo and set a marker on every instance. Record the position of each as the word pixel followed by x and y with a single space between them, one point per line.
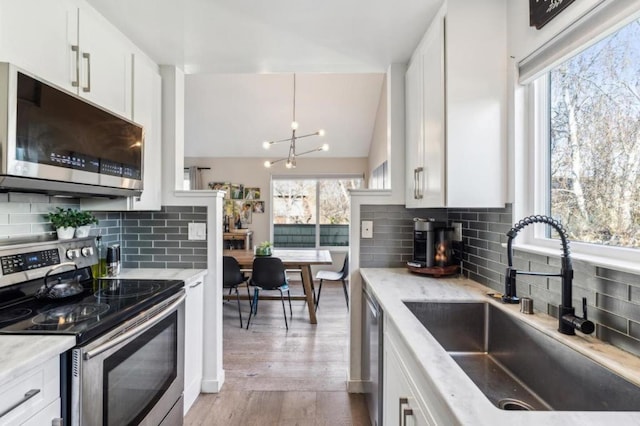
pixel 420 189
pixel 415 184
pixel 405 413
pixel 87 56
pixel 27 396
pixel 403 401
pixel 195 285
pixel 76 49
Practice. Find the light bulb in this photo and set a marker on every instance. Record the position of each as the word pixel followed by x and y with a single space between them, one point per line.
pixel 266 144
pixel 294 125
pixel 321 132
pixel 267 164
pixel 288 164
pixel 325 147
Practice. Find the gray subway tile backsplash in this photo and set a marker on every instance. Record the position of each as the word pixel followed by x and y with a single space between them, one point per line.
pixel 613 297
pixel 145 237
pixel 153 238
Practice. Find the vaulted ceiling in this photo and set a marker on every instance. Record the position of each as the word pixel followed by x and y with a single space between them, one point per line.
pixel 340 50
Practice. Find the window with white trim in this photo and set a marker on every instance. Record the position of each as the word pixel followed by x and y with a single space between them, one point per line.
pixel 312 212
pixel 587 143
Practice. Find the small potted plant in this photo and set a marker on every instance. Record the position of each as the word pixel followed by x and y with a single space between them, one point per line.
pixel 84 220
pixel 264 249
pixel 64 222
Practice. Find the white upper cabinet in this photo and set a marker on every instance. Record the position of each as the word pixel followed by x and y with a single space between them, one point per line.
pixel 104 60
pixel 67 43
pixel 413 133
pixel 147 88
pixel 461 102
pixel 147 110
pixel 37 35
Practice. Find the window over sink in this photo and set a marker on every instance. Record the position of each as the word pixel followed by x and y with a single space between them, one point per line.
pixel 586 145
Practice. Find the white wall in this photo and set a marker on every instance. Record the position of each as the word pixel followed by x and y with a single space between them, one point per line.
pixel 251 172
pixel 523 39
pixel 379 140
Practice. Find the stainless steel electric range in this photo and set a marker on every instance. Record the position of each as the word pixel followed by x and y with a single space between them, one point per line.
pixel 127 367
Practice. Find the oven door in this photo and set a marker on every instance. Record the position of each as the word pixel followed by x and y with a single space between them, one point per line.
pixel 135 374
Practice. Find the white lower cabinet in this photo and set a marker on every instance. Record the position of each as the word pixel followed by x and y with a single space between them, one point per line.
pixel 50 415
pixel 193 340
pixel 402 405
pixel 33 397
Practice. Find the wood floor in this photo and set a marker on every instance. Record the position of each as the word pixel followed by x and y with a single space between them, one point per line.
pixel 275 377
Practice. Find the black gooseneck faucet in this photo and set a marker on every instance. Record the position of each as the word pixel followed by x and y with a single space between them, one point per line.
pixel 567 319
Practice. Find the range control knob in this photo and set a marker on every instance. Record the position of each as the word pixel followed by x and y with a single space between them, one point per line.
pixel 87 251
pixel 73 254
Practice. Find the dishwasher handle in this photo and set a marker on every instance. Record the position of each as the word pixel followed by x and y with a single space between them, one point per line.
pixel 372 303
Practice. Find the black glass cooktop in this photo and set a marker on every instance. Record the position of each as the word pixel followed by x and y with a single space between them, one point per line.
pixel 103 305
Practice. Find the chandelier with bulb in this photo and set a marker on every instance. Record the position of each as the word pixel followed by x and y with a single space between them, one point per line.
pixel 290 159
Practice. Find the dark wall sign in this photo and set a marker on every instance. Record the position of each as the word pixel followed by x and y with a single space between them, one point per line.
pixel 543 11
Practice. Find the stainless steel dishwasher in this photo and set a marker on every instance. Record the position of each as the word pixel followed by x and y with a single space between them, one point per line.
pixel 372 355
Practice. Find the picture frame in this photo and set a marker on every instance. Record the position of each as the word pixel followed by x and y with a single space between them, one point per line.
pixel 243 210
pixel 228 208
pixel 258 207
pixel 237 191
pixel 251 193
pixel 221 186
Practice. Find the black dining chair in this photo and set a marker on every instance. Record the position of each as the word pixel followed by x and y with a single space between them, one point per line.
pixel 232 278
pixel 269 274
pixel 340 275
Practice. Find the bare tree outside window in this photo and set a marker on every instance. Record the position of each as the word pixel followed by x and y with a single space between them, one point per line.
pixel 294 201
pixel 312 212
pixel 595 141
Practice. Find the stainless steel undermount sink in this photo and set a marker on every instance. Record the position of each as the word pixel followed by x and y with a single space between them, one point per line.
pixel 518 367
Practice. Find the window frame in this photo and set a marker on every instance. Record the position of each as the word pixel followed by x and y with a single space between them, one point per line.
pixel 317 178
pixel 534 162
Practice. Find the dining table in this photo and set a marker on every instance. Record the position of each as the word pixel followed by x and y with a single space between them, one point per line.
pixel 299 259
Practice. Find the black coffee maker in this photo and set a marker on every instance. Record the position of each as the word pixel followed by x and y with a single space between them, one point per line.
pixel 432 244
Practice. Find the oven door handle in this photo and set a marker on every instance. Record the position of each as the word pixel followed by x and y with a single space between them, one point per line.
pixel 134 331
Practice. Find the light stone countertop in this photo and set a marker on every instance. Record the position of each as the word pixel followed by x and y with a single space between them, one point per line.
pixel 393 286
pixel 160 274
pixel 20 353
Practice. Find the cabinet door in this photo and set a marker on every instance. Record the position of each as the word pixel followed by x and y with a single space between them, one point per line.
pixel 105 63
pixel 193 344
pixel 46 416
pixel 147 86
pixel 413 135
pixel 37 35
pixel 400 405
pixel 147 92
pixel 433 118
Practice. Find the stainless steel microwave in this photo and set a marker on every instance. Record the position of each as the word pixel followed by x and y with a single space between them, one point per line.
pixel 55 142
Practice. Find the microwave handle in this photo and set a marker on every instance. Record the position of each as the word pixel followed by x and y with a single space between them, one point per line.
pixel 133 332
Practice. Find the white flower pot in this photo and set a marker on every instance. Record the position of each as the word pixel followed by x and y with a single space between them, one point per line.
pixel 83 231
pixel 65 233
